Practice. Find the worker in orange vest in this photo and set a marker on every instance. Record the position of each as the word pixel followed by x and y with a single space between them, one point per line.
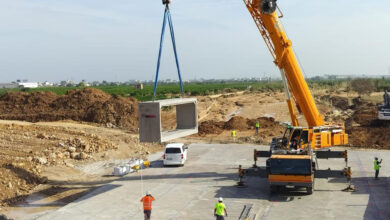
pixel 147 202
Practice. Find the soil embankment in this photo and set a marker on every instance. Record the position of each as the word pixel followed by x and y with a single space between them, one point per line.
pixel 88 105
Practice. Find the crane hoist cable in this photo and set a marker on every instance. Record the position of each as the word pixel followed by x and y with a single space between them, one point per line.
pixel 167 16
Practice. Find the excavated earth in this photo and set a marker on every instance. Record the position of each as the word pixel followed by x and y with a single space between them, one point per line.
pixel 360 117
pixel 88 105
pixel 48 154
pixel 269 128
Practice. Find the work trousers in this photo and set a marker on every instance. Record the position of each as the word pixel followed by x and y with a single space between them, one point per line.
pixel 376 174
pixel 220 217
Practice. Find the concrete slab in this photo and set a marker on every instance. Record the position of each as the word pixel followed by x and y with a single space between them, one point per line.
pixel 190 192
pixel 149 115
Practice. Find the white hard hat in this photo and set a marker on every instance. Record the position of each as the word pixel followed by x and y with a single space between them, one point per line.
pixel 220 199
pixel 148 192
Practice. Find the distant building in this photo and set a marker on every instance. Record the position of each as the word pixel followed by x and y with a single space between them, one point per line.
pixel 46 83
pixel 8 85
pixel 28 85
pixel 67 83
pixel 139 86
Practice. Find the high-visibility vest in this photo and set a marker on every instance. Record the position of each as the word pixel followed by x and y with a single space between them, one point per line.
pixel 257 124
pixel 233 133
pixel 147 202
pixel 220 209
pixel 376 165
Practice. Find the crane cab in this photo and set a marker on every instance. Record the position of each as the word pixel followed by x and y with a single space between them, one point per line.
pixel 295 138
pixel 326 136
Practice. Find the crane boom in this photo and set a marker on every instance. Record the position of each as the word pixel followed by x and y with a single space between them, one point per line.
pixel 280 47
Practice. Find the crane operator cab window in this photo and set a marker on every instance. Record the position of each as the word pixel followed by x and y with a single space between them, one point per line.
pixel 286 137
pixel 294 141
pixel 295 138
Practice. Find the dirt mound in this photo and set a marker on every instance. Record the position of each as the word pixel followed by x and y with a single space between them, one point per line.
pixel 370 137
pixel 88 104
pixel 211 127
pixel 340 102
pixel 264 122
pixel 237 123
pixel 365 115
pixel 364 128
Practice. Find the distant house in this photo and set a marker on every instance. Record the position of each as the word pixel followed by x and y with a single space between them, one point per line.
pixel 139 86
pixel 30 85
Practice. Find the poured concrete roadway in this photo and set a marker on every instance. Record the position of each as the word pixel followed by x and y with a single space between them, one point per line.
pixel 190 192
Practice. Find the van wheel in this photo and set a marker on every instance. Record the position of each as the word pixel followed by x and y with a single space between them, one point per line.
pixel 309 190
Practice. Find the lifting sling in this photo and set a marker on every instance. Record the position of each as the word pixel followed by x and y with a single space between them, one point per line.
pixel 167 16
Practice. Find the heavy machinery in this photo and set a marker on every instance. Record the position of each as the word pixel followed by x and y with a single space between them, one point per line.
pixel 292 159
pixel 384 110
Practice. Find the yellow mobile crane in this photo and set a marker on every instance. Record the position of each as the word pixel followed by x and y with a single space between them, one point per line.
pixel 292 159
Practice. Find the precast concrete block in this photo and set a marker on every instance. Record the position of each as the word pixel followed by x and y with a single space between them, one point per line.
pixel 149 115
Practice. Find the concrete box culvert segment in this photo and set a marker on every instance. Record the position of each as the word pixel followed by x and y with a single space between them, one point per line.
pixel 149 115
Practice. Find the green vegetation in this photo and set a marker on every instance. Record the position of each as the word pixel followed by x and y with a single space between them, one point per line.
pixel 192 89
pixel 167 90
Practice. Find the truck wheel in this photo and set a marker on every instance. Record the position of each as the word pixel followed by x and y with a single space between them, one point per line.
pixel 309 190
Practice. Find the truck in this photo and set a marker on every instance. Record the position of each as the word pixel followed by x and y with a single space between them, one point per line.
pixel 292 159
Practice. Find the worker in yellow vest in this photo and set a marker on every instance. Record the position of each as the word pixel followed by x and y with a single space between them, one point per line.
pixel 257 127
pixel 220 210
pixel 377 166
pixel 234 135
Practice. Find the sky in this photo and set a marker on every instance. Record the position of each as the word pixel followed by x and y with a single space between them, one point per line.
pixel 118 40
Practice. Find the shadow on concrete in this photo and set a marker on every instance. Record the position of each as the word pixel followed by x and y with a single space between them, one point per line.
pixel 378 206
pixel 157 164
pixel 43 198
pixel 160 164
pixel 258 188
pixel 135 177
pixel 47 196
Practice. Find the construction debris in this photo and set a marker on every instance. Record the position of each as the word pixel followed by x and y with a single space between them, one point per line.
pixel 130 167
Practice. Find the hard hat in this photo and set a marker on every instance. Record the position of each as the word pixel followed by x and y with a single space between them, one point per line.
pixel 148 192
pixel 220 199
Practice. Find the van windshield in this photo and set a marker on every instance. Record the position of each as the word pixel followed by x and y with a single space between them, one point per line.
pixel 173 150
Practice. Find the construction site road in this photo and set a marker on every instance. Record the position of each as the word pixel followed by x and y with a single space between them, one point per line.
pixel 190 192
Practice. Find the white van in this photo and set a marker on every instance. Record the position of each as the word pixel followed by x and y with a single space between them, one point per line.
pixel 175 154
